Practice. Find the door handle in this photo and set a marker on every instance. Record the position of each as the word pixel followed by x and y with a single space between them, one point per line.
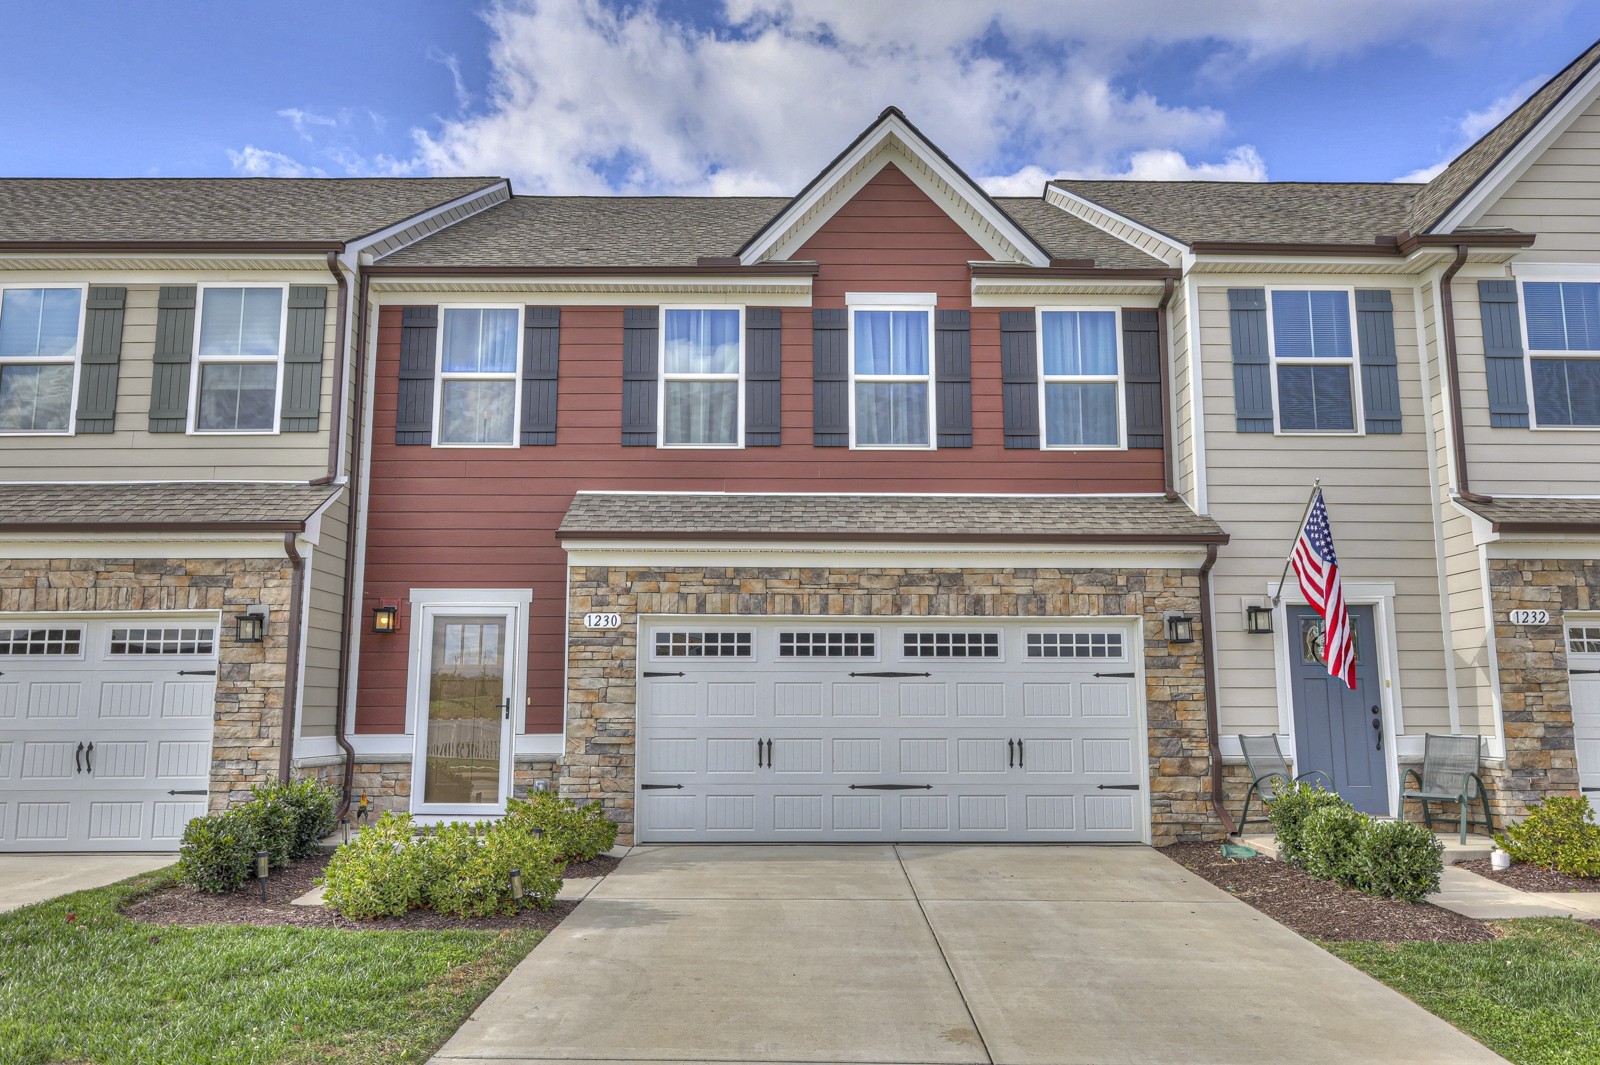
pixel 1377 726
pixel 77 758
pixel 88 757
pixel 769 754
pixel 759 762
pixel 1020 763
pixel 1011 753
pixel 508 708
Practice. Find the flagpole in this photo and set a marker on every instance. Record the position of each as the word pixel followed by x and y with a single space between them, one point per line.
pixel 1316 490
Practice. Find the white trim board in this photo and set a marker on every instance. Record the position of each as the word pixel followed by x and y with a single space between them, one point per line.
pixel 622 552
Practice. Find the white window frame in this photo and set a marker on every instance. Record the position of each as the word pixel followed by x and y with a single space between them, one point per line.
pixel 1048 379
pixel 662 377
pixel 76 359
pixel 199 362
pixel 926 302
pixel 1357 403
pixel 514 376
pixel 1528 354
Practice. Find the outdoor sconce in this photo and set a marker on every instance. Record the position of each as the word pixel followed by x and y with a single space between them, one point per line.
pixel 251 626
pixel 386 619
pixel 261 872
pixel 1257 620
pixel 516 886
pixel 1180 628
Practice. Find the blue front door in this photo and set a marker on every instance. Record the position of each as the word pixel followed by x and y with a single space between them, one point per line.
pixel 1339 731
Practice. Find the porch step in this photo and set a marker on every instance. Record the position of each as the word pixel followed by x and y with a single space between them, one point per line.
pixel 1477 846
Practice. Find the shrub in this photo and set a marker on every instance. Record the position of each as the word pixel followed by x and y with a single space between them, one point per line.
pixel 469 868
pixel 272 821
pixel 1288 814
pixel 1398 860
pixel 1559 833
pixel 217 853
pixel 1330 839
pixel 381 872
pixel 313 807
pixel 575 833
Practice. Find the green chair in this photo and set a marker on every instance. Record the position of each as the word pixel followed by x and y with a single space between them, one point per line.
pixel 1450 774
pixel 1269 773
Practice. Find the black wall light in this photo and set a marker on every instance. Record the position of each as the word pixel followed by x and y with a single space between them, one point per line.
pixel 386 619
pixel 1258 620
pixel 251 626
pixel 1180 628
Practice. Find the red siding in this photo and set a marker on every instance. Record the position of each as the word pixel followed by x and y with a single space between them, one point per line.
pixel 444 518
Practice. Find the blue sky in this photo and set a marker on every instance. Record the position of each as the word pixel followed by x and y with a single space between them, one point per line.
pixel 753 96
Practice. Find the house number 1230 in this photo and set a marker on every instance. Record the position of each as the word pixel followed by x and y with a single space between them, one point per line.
pixel 602 621
pixel 1530 617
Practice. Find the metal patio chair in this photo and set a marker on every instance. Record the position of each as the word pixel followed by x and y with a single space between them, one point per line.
pixel 1269 773
pixel 1450 774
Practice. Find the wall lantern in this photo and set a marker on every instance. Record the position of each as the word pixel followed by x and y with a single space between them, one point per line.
pixel 1180 628
pixel 386 619
pixel 251 626
pixel 1257 620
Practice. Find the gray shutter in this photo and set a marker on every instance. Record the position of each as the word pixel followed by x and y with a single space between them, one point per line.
pixel 302 359
pixel 952 348
pixel 541 372
pixel 102 352
pixel 830 377
pixel 763 376
pixel 169 378
pixel 1141 375
pixel 640 354
pixel 419 361
pixel 1502 354
pixel 1380 367
pixel 1252 366
pixel 1019 378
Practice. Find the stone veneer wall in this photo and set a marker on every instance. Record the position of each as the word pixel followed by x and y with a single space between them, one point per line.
pixel 387 783
pixel 250 677
pixel 601 674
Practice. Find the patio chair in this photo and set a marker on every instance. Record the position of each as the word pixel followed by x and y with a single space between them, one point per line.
pixel 1449 774
pixel 1269 772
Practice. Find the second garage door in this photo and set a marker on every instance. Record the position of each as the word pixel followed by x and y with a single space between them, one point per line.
pixel 956 730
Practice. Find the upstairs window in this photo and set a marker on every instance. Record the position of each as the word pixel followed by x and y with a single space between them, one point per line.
pixel 1315 384
pixel 478 384
pixel 39 334
pixel 238 359
pixel 702 363
pixel 1080 368
pixel 891 377
pixel 1563 319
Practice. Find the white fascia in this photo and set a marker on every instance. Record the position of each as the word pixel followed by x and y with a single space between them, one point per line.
pixel 480 201
pixel 1172 250
pixel 870 555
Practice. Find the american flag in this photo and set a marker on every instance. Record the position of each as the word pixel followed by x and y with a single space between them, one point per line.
pixel 1318 569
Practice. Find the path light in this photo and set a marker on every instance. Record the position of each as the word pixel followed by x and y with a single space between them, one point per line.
pixel 344 830
pixel 1258 620
pixel 261 872
pixel 386 619
pixel 1180 628
pixel 516 886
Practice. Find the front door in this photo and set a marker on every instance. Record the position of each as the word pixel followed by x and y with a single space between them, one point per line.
pixel 1337 730
pixel 463 711
pixel 1583 665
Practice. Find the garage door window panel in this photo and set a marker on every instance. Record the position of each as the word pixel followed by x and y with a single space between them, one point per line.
pixel 43 642
pixel 40 329
pixel 1110 646
pixel 951 644
pixel 184 640
pixel 703 644
pixel 834 644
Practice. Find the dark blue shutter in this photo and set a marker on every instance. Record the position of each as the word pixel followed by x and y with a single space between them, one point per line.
pixel 830 377
pixel 1141 376
pixel 1252 369
pixel 301 404
pixel 1502 355
pixel 419 361
pixel 102 353
pixel 169 379
pixel 1019 378
pixel 952 346
pixel 763 376
pixel 1380 367
pixel 541 364
pixel 640 355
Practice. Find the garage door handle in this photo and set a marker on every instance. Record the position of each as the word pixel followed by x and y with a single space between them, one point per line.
pixel 647 673
pixel 1020 763
pixel 77 758
pixel 88 757
pixel 769 754
pixel 1128 675
pixel 759 762
pixel 891 787
pixel 1118 787
pixel 1011 753
pixel 891 673
pixel 197 672
pixel 660 787
pixel 197 791
pixel 1575 672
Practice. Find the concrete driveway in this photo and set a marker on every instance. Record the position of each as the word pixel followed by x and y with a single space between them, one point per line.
pixel 937 954
pixel 29 878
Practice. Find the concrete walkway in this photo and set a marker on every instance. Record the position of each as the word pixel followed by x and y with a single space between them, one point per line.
pixel 1479 897
pixel 935 954
pixel 29 878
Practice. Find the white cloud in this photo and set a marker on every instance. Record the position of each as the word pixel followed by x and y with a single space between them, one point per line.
pixel 1474 124
pixel 1242 163
pixel 304 121
pixel 451 63
pixel 251 161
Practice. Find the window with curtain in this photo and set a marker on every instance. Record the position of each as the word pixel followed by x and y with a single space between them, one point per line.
pixel 1078 353
pixel 238 358
pixel 478 385
pixel 1564 317
pixel 891 377
pixel 38 358
pixel 1313 355
pixel 701 360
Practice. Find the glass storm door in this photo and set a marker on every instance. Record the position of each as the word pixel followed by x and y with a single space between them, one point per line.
pixel 464 712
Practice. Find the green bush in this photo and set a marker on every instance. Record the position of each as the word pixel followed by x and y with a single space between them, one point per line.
pixel 1559 833
pixel 382 872
pixel 469 869
pixel 1330 838
pixel 575 832
pixel 1288 814
pixel 218 853
pixel 1398 860
pixel 272 821
pixel 312 806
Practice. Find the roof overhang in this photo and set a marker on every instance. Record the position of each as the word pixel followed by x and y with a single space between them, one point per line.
pixel 779 282
pixel 1167 248
pixel 1002 284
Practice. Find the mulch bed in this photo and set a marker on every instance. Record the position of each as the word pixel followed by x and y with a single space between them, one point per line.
pixel 185 906
pixel 1322 910
pixel 1531 877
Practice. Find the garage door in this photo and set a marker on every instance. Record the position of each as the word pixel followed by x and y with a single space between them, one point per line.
pixel 1583 660
pixel 953 730
pixel 105 731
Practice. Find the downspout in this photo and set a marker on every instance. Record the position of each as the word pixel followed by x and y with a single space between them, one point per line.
pixel 341 712
pixel 336 430
pixel 1208 654
pixel 1458 433
pixel 291 666
pixel 1168 445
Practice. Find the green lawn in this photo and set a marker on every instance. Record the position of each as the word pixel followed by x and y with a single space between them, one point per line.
pixel 1533 997
pixel 101 988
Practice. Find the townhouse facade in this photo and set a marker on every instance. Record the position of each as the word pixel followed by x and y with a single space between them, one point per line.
pixel 891 510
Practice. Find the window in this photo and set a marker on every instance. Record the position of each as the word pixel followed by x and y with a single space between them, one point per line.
pixel 1563 317
pixel 41 642
pixel 827 644
pixel 951 645
pixel 891 377
pixel 702 358
pixel 478 387
pixel 38 358
pixel 1080 364
pixel 163 641
pixel 1075 645
pixel 1314 368
pixel 238 355
pixel 1583 639
pixel 704 645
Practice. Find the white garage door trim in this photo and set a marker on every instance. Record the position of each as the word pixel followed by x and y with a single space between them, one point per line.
pixel 759 729
pixel 1583 679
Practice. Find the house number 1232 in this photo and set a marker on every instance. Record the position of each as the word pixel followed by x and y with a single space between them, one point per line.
pixel 1530 617
pixel 602 621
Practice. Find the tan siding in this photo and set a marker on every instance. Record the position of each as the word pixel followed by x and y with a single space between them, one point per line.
pixel 1183 443
pixel 1558 197
pixel 324 611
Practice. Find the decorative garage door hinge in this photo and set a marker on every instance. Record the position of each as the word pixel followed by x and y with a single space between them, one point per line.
pixel 648 673
pixel 660 787
pixel 1128 675
pixel 891 787
pixel 197 672
pixel 197 791
pixel 1118 787
pixel 891 673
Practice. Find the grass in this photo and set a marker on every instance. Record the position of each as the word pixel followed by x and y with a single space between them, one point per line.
pixel 81 983
pixel 1531 996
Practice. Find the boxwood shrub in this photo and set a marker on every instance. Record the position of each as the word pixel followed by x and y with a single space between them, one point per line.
pixel 288 821
pixel 1398 860
pixel 1331 841
pixel 576 832
pixel 312 806
pixel 1558 833
pixel 1289 813
pixel 469 868
pixel 218 853
pixel 381 872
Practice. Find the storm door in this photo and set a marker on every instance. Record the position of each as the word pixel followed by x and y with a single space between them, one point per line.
pixel 462 698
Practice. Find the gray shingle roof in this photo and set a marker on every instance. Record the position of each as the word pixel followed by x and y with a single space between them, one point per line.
pixel 716 515
pixel 1514 512
pixel 159 210
pixel 197 503
pixel 1065 236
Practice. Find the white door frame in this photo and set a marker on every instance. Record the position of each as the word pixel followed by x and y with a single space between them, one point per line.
pixel 1585 661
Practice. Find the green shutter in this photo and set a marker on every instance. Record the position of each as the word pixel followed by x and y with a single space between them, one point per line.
pixel 1252 367
pixel 169 379
pixel 1380 366
pixel 102 352
pixel 302 359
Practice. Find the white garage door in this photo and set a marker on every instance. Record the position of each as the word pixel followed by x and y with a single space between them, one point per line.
pixel 965 730
pixel 105 731
pixel 1583 661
